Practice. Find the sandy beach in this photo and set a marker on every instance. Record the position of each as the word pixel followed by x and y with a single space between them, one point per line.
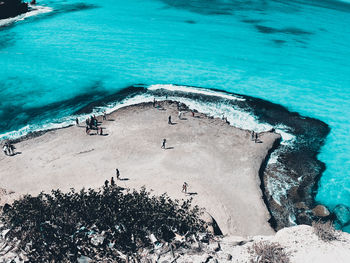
pixel 219 162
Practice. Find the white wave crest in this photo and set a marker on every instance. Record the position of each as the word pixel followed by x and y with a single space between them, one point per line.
pixel 237 117
pixel 188 89
pixel 70 120
pixel 37 9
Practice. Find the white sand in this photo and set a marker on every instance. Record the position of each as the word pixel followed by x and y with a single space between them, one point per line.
pixel 219 162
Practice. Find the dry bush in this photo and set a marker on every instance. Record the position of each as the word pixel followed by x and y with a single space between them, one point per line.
pixel 267 252
pixel 325 231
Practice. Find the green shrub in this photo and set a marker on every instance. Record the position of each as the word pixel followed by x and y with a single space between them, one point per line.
pixel 96 223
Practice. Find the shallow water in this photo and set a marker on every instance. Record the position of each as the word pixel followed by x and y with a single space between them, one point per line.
pixel 295 53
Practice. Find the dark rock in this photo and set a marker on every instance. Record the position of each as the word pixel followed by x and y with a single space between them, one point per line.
pixel 304 219
pixel 12 8
pixel 320 211
pixel 301 206
pixel 294 194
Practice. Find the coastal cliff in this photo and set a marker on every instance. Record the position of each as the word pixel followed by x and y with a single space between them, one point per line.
pixel 12 8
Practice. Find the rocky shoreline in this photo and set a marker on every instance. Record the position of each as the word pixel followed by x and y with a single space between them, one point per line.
pixel 289 182
pixel 12 8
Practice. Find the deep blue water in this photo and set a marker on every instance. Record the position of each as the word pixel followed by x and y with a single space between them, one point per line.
pixel 295 53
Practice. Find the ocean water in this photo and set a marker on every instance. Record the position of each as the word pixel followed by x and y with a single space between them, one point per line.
pixel 295 53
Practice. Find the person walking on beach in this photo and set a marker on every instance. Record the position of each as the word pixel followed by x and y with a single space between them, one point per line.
pixel 253 136
pixel 154 102
pixel 77 121
pixel 104 116
pixel 112 182
pixel 12 148
pixel 101 131
pixel 117 173
pixel 192 112
pixel 87 130
pixel 163 144
pixel 256 137
pixel 106 183
pixel 180 115
pixel 169 120
pixel 4 148
pixel 184 188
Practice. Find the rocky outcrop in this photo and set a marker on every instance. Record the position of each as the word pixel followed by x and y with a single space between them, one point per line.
pixel 300 244
pixel 320 211
pixel 12 8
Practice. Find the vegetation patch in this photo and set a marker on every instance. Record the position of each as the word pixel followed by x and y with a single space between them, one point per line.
pixel 104 224
pixel 267 252
pixel 325 231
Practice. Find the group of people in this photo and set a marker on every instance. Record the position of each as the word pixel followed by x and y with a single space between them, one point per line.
pixel 255 137
pixel 225 119
pixel 9 149
pixel 112 179
pixel 92 124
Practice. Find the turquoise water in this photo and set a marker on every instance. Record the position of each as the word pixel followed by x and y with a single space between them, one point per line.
pixel 295 53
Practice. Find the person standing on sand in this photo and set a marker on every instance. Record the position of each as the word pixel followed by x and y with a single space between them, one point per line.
pixel 179 115
pixel 106 183
pixel 4 148
pixel 256 137
pixel 169 120
pixel 154 102
pixel 163 144
pixel 87 130
pixel 117 173
pixel 12 148
pixel 184 187
pixel 192 112
pixel 101 131
pixel 253 136
pixel 77 121
pixel 104 116
pixel 112 182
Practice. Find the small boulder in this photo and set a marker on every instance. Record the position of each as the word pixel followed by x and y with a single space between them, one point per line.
pixel 320 211
pixel 303 219
pixel 215 246
pixel 301 206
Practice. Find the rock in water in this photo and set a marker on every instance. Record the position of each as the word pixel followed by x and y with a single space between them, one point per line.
pixel 320 211
pixel 343 214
